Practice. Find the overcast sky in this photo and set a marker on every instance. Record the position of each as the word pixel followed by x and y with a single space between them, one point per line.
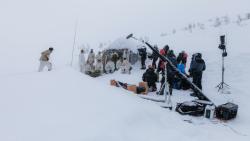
pixel 51 22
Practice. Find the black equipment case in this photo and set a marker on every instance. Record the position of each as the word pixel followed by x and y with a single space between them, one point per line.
pixel 226 111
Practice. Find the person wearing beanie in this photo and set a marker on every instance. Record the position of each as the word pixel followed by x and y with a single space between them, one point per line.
pixel 82 61
pixel 125 66
pixel 44 60
pixel 182 57
pixel 196 69
pixel 151 78
pixel 163 52
pixel 91 58
pixel 155 57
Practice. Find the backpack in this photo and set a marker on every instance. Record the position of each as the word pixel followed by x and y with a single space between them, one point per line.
pixel 193 108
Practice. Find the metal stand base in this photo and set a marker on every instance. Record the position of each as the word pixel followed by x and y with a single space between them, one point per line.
pixel 221 87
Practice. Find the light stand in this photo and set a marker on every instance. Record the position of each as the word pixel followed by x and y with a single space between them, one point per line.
pixel 222 46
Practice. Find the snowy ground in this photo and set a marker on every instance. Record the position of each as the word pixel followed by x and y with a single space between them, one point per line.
pixel 65 105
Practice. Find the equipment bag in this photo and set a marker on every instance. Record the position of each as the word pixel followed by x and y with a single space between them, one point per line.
pixel 190 108
pixel 226 111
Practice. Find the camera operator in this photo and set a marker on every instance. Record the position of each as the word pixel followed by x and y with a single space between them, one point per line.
pixel 154 56
pixel 143 54
pixel 171 73
pixel 197 66
pixel 163 52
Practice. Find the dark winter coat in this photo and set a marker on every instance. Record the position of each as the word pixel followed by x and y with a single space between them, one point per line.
pixel 171 72
pixel 150 77
pixel 197 65
pixel 143 52
pixel 182 57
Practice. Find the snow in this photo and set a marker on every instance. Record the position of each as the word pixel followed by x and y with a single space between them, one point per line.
pixel 64 104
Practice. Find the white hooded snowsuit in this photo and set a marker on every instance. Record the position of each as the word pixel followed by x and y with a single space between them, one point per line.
pixel 98 57
pixel 91 58
pixel 125 67
pixel 110 67
pixel 88 68
pixel 44 60
pixel 82 62
pixel 99 66
pixel 119 64
pixel 126 54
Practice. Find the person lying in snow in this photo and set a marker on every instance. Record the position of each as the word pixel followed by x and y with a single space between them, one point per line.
pixel 141 89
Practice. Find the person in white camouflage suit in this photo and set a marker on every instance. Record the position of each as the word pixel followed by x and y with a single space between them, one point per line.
pixel 87 68
pixel 82 61
pixel 126 54
pixel 110 67
pixel 99 65
pixel 44 60
pixel 91 58
pixel 126 66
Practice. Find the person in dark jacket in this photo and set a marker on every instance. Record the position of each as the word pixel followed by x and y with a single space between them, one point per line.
pixel 151 78
pixel 197 67
pixel 171 73
pixel 182 57
pixel 143 54
pixel 155 57
pixel 163 52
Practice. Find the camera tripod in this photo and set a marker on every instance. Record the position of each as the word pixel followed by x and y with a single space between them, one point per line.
pixel 222 85
pixel 166 93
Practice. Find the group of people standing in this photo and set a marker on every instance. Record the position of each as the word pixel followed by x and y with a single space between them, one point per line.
pixel 151 76
pixel 101 63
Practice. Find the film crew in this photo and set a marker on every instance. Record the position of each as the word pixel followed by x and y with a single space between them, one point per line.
pixel 161 65
pixel 155 57
pixel 44 60
pixel 143 54
pixel 126 66
pixel 180 82
pixel 151 78
pixel 182 57
pixel 82 61
pixel 91 58
pixel 197 67
pixel 171 73
pixel 110 67
pixel 115 58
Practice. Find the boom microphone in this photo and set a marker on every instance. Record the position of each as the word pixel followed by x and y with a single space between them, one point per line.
pixel 129 36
